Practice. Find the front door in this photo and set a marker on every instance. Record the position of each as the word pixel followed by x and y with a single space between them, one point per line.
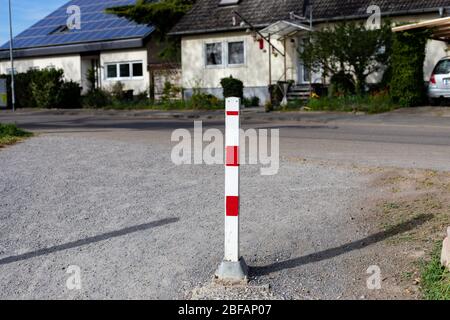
pixel 303 73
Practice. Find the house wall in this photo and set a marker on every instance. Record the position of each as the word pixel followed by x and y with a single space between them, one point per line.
pixel 436 50
pixel 139 55
pixel 75 67
pixel 254 72
pixel 71 64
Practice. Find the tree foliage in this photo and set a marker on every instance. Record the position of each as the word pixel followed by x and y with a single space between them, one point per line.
pixel 348 48
pixel 232 87
pixel 408 57
pixel 162 15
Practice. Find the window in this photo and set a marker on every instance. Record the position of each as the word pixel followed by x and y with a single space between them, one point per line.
pixel 214 54
pixel 443 67
pixel 60 29
pixel 236 52
pixel 111 71
pixel 225 53
pixel 137 70
pixel 124 70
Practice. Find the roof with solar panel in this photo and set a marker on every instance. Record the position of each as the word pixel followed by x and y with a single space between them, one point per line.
pixel 96 27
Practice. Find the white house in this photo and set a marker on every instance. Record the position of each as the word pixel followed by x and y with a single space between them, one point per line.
pixel 117 49
pixel 222 38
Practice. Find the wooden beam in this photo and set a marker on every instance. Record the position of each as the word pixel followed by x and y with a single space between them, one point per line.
pixel 423 24
pixel 441 33
pixel 443 26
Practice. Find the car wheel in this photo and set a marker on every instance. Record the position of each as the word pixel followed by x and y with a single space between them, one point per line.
pixel 435 101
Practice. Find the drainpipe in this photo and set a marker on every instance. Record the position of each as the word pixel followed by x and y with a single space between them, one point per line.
pixel 270 62
pixel 285 63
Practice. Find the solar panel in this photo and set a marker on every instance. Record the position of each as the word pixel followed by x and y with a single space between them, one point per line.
pixel 96 25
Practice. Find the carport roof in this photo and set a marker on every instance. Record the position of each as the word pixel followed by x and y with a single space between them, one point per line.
pixel 284 28
pixel 440 28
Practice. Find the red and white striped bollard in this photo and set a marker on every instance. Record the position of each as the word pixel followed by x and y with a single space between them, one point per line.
pixel 233 268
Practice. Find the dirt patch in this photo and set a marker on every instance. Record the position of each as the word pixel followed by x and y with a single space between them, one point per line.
pixel 411 194
pixel 419 201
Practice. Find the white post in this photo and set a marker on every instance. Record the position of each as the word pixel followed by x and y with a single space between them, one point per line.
pixel 233 268
pixel 232 125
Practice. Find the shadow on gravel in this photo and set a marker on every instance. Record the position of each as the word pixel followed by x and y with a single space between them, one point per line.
pixel 337 251
pixel 86 241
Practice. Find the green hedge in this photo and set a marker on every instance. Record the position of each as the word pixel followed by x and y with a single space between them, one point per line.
pixel 407 86
pixel 232 87
pixel 44 88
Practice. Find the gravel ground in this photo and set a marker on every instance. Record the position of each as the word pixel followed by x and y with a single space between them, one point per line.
pixel 140 227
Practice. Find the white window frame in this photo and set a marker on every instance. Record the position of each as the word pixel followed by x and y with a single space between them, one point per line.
pixel 119 78
pixel 205 58
pixel 225 57
pixel 228 58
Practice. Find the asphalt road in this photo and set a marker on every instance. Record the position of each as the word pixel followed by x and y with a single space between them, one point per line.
pixel 101 193
pixel 402 139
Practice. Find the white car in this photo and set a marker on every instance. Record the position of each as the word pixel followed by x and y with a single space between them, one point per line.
pixel 439 85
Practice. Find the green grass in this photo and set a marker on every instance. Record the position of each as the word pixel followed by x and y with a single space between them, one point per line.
pixel 369 104
pixel 435 284
pixel 293 105
pixel 10 134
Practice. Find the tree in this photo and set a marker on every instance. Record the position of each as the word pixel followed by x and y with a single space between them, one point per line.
pixel 162 15
pixel 350 49
pixel 408 57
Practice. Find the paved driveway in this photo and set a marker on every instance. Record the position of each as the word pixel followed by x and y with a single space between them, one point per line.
pixel 101 193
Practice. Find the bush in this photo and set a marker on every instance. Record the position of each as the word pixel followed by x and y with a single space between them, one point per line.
pixel 342 84
pixel 44 89
pixel 46 86
pixel 22 82
pixel 70 95
pixel 232 88
pixel 91 77
pixel 170 92
pixel 97 98
pixel 142 97
pixel 251 102
pixel 408 56
pixel 276 95
pixel 204 101
pixel 117 91
pixel 268 106
pixel 255 101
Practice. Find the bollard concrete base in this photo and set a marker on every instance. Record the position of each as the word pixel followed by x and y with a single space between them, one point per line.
pixel 233 272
